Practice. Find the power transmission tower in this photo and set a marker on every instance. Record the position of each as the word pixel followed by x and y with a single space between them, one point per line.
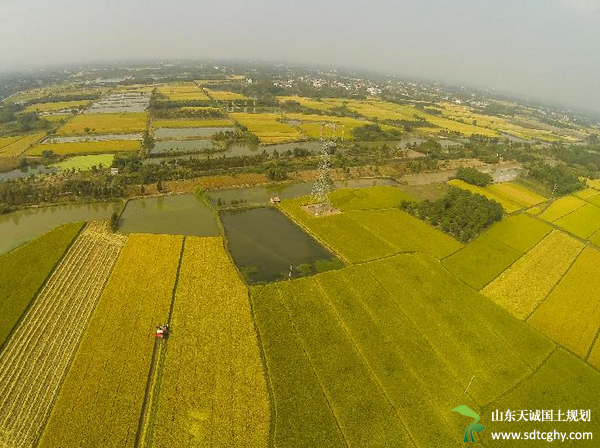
pixel 323 185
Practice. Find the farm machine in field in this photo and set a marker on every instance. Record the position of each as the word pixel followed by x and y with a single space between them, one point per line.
pixel 162 332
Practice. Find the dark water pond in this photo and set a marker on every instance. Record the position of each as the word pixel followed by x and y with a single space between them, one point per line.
pixel 176 215
pixel 19 227
pixel 264 243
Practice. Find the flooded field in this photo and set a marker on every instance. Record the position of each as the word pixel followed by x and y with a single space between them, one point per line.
pixel 19 227
pixel 121 102
pixel 176 215
pixel 172 133
pixel 264 243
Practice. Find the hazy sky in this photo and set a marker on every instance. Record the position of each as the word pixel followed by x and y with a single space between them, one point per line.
pixel 548 49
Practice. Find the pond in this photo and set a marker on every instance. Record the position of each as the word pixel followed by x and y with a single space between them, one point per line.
pixel 262 194
pixel 177 215
pixel 189 132
pixel 21 226
pixel 183 146
pixel 264 243
pixel 21 173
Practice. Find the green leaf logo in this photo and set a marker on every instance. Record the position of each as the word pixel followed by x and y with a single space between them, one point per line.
pixel 473 427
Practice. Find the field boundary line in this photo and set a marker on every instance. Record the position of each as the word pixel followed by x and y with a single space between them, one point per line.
pixel 331 408
pixel 560 279
pixel 367 308
pixel 154 378
pixel 425 338
pixel 42 286
pixel 375 378
pixel 524 380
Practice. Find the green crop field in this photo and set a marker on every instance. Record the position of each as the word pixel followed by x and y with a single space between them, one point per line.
pixel 522 287
pixel 108 146
pixel 212 356
pixel 594 358
pixel 86 162
pixel 365 313
pixel 561 207
pixel 582 222
pixel 368 198
pixel 362 235
pixel 520 232
pixel 405 233
pixel 25 269
pixel 481 261
pixel 268 128
pixel 104 124
pixel 508 205
pixel 496 249
pixel 101 399
pixel 562 383
pixel 570 315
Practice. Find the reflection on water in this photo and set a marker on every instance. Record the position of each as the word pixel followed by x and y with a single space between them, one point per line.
pixel 264 243
pixel 21 173
pixel 19 227
pixel 176 215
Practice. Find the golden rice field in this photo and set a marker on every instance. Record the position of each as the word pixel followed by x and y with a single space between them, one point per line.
pixel 58 106
pixel 108 146
pixel 186 91
pixel 212 389
pixel 582 222
pixel 561 207
pixel 312 125
pixel 524 285
pixel 104 124
pixel 440 122
pixel 101 398
pixel 223 95
pixel 195 123
pixel 508 205
pixel 268 128
pixel 506 125
pixel 514 193
pixel 15 146
pixel 310 103
pixel 586 194
pixel 570 315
